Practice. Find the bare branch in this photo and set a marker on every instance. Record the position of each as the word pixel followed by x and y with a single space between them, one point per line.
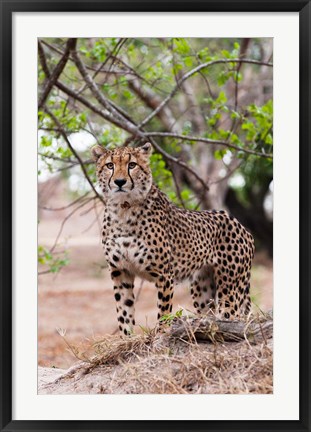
pixel 44 272
pixel 53 77
pixel 64 135
pixel 132 129
pixel 243 50
pixel 207 141
pixel 117 113
pixel 76 96
pixel 152 100
pixel 42 59
pixel 229 174
pixel 135 132
pixel 178 162
pixel 128 70
pixel 190 74
pixel 103 64
pixel 81 198
pixel 178 191
pixel 95 220
pixel 124 121
pixel 69 161
pixel 104 114
pixel 66 219
pixel 257 330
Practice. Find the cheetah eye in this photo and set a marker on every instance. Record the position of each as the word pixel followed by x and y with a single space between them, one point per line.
pixel 109 165
pixel 132 165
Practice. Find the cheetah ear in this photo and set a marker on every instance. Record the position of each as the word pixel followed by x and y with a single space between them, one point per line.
pixel 97 152
pixel 146 149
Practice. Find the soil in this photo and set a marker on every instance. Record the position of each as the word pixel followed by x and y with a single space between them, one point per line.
pixel 173 361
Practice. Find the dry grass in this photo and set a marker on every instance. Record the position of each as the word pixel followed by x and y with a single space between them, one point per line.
pixel 159 363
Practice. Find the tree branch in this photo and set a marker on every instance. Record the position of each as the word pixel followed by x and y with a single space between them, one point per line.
pixel 178 162
pixel 152 100
pixel 86 201
pixel 67 90
pixel 190 74
pixel 117 113
pixel 228 174
pixel 207 141
pixel 114 117
pixel 81 198
pixel 101 66
pixel 133 130
pixel 53 77
pixel 81 163
pixel 42 59
pixel 256 330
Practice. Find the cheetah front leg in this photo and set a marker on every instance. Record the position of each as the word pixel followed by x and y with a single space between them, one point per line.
pixel 165 288
pixel 123 284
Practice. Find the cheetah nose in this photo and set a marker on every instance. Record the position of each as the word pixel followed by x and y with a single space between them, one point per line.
pixel 120 182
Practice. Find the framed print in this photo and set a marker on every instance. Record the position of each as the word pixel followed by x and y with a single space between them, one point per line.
pixel 155 215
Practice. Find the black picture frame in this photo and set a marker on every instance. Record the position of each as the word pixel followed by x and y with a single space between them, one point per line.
pixel 7 9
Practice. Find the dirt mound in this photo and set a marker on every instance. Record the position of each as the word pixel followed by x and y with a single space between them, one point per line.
pixel 190 356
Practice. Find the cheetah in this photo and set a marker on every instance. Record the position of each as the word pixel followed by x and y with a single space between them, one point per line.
pixel 146 235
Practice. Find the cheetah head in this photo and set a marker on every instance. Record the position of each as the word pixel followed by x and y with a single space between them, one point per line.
pixel 123 173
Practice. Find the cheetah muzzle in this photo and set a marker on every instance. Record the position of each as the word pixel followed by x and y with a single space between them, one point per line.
pixel 145 235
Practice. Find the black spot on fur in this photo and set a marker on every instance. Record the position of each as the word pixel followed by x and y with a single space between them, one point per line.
pixel 128 302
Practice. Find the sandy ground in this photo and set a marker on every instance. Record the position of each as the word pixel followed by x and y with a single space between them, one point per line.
pixel 79 299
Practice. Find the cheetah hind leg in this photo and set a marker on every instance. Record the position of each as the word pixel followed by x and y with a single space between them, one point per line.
pixel 246 305
pixel 203 290
pixel 232 299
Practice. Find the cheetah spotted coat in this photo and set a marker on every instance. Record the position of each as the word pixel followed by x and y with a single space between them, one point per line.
pixel 145 235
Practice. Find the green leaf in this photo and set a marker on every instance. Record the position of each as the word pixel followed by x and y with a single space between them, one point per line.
pixel 54 263
pixel 222 98
pixel 269 139
pixel 83 117
pixel 222 78
pixel 185 194
pixel 188 61
pixel 226 53
pixel 235 115
pixel 219 154
pixel 99 51
pixel 181 46
pixel 45 141
pixel 127 94
pixel 237 76
pixel 203 55
pixel 176 68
